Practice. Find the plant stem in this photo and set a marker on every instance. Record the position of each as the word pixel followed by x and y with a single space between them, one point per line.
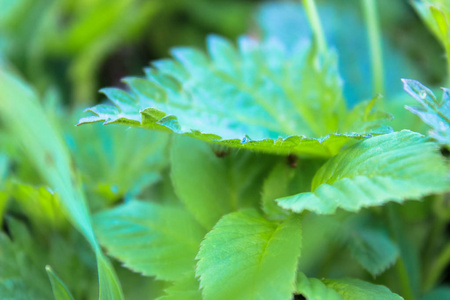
pixel 400 266
pixel 447 50
pixel 376 50
pixel 314 21
pixel 437 268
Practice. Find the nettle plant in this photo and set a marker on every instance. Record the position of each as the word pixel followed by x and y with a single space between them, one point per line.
pixel 277 189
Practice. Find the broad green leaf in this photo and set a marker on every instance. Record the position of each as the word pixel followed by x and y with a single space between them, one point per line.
pixel 186 288
pixel 151 239
pixel 259 97
pixel 372 249
pixel 213 182
pixel 433 112
pixel 391 167
pixel 22 114
pixel 257 258
pixel 60 290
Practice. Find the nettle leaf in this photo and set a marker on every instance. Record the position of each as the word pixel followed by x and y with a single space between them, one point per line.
pixel 60 290
pixel 372 249
pixel 213 183
pixel 259 97
pixel 391 167
pixel 257 258
pixel 433 112
pixel 151 239
pixel 342 289
pixel 187 288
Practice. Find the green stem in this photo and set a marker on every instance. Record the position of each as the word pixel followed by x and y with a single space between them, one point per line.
pixel 402 272
pixel 437 268
pixel 447 51
pixel 376 51
pixel 314 21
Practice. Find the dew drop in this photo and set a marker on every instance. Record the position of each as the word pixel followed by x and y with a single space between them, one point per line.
pixel 423 94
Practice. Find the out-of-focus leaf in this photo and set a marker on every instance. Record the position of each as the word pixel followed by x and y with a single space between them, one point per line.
pixel 187 288
pixel 213 183
pixel 439 293
pixel 372 249
pixel 60 290
pixel 260 97
pixel 46 150
pixel 433 112
pixel 287 22
pixel 342 289
pixel 391 167
pixel 151 239
pixel 257 258
pixel 40 205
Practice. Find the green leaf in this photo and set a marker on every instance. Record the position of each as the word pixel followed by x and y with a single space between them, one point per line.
pixel 263 98
pixel 257 258
pixel 315 289
pixel 439 293
pixel 342 289
pixel 291 175
pixel 391 167
pixel 60 290
pixel 186 288
pixel 22 114
pixel 151 239
pixel 433 112
pixel 355 289
pixel 40 204
pixel 214 183
pixel 372 249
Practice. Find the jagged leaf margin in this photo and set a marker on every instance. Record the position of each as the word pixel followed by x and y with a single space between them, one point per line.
pixel 261 97
pixel 391 167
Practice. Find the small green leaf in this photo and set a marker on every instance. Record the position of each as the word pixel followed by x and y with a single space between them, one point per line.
pixel 257 258
pixel 60 290
pixel 391 167
pixel 151 239
pixel 433 112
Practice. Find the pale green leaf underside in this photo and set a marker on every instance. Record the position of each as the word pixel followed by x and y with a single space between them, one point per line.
pixel 259 97
pixel 433 112
pixel 151 239
pixel 342 289
pixel 372 249
pixel 391 167
pixel 60 290
pixel 187 288
pixel 256 258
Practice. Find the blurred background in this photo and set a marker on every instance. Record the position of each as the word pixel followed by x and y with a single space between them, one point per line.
pixel 68 49
pixel 73 48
